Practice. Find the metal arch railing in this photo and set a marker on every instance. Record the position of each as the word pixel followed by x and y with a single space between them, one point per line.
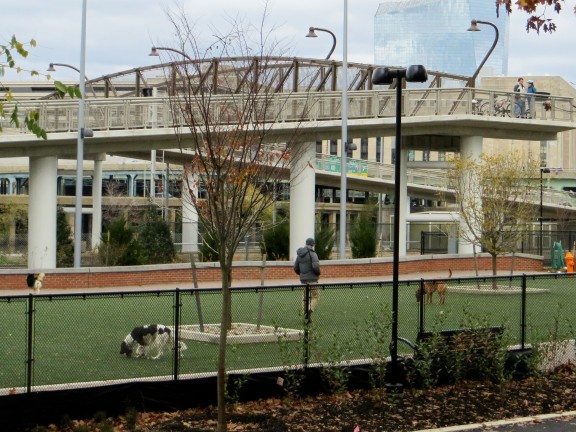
pixel 280 74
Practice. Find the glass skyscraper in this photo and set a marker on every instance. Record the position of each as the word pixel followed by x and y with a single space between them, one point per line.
pixel 434 33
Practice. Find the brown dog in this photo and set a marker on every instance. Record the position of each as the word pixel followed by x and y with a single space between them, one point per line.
pixel 430 287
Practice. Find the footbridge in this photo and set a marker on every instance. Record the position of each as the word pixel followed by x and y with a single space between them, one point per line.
pixel 130 114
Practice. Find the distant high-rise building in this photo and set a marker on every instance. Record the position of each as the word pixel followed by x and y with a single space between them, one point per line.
pixel 434 33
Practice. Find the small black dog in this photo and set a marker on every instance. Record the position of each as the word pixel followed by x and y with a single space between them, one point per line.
pixel 139 336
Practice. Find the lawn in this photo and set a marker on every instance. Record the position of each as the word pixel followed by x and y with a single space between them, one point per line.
pixel 77 338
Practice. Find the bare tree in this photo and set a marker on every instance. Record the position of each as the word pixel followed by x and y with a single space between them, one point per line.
pixel 230 107
pixel 496 198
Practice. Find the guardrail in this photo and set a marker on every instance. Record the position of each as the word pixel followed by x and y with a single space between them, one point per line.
pixel 270 329
pixel 150 112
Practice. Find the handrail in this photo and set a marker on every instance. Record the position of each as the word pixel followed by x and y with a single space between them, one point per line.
pixel 151 112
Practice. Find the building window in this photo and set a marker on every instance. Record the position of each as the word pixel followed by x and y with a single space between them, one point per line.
pixel 319 146
pixel 364 148
pixel 4 186
pixel 333 147
pixel 378 149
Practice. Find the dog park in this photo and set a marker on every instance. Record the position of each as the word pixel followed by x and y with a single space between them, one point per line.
pixel 59 341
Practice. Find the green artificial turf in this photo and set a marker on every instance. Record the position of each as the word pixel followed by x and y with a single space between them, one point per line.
pixel 77 338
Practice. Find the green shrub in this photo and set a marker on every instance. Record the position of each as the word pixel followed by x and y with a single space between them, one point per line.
pixel 64 242
pixel 118 246
pixel 155 240
pixel 209 249
pixel 363 237
pixel 276 241
pixel 325 238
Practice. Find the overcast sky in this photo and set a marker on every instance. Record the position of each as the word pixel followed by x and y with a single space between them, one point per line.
pixel 121 32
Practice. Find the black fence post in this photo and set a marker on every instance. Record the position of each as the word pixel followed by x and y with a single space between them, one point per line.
pixel 30 344
pixel 421 309
pixel 523 316
pixel 307 322
pixel 176 351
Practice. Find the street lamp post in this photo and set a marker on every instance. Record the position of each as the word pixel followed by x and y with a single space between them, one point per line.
pixel 345 146
pixel 312 33
pixel 80 145
pixel 542 172
pixel 415 73
pixel 474 27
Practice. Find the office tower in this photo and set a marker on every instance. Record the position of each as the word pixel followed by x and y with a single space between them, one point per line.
pixel 434 33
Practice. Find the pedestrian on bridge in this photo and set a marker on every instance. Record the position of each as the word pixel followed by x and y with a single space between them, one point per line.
pixel 519 102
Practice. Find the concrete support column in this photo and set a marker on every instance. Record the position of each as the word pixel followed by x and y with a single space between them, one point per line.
pixel 189 214
pixel 302 195
pixel 42 205
pixel 97 204
pixel 471 148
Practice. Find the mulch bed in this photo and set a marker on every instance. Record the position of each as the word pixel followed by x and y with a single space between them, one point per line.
pixel 373 410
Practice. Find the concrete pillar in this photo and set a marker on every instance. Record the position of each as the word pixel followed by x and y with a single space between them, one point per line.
pixel 302 195
pixel 42 205
pixel 189 214
pixel 471 148
pixel 97 204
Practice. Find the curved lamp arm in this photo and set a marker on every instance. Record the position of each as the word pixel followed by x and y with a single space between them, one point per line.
pixel 474 27
pixel 154 52
pixel 312 33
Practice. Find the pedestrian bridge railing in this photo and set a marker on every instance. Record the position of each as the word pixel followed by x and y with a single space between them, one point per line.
pixel 150 112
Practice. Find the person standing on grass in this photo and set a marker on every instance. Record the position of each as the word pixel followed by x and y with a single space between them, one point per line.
pixel 307 266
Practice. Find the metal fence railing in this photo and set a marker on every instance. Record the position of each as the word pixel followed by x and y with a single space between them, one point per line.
pixel 14 250
pixel 57 341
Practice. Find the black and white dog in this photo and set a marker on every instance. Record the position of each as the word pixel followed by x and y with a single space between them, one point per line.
pixel 145 340
pixel 163 341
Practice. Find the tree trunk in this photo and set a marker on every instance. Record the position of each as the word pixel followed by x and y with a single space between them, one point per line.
pixel 494 272
pixel 476 265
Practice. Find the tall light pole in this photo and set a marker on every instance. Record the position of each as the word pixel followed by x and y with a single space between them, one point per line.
pixel 80 145
pixel 344 134
pixel 416 73
pixel 344 144
pixel 474 27
pixel 542 171
pixel 312 33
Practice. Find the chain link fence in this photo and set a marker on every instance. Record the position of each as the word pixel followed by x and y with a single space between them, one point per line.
pixel 14 249
pixel 66 341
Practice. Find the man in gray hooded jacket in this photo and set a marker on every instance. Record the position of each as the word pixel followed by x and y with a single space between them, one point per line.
pixel 307 265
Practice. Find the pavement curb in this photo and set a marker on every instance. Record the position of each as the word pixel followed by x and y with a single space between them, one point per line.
pixel 496 423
